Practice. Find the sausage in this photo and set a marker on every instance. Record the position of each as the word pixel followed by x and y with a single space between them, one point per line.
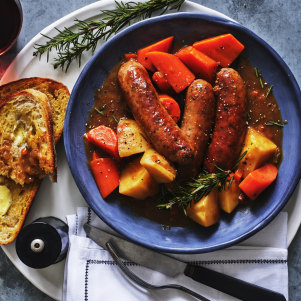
pixel 230 121
pixel 143 100
pixel 198 122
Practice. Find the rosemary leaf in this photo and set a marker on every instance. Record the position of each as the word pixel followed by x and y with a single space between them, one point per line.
pixel 230 182
pixel 271 123
pixel 269 91
pixel 256 72
pixel 114 117
pixel 261 83
pixel 103 107
pixel 239 159
pixel 71 44
pixel 100 111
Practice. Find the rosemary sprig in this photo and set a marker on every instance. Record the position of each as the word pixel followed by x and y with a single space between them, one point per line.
pixel 195 189
pixel 271 123
pixel 71 44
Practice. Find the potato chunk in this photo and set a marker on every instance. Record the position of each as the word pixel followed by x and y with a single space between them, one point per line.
pixel 136 181
pixel 206 211
pixel 157 165
pixel 131 139
pixel 259 149
pixel 228 197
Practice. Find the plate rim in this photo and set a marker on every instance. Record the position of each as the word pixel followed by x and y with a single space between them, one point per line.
pixel 21 61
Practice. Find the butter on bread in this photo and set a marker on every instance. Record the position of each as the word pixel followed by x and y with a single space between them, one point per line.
pixel 27 149
pixel 22 196
pixel 57 93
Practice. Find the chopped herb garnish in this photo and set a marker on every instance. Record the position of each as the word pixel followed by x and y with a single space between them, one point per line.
pixel 271 123
pixel 100 111
pixel 249 116
pixel 115 118
pixel 269 91
pixel 256 72
pixel 261 83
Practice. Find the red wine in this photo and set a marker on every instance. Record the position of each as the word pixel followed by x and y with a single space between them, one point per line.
pixel 10 23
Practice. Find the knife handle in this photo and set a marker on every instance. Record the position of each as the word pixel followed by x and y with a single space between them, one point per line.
pixel 230 285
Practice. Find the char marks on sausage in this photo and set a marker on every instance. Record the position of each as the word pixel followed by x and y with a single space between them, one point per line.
pixel 230 121
pixel 143 100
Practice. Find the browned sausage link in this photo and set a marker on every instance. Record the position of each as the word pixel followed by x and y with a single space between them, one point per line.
pixel 198 121
pixel 143 100
pixel 230 121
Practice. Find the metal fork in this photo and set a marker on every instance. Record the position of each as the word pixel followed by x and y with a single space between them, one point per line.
pixel 144 284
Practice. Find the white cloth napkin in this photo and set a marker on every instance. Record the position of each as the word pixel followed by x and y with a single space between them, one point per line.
pixel 92 275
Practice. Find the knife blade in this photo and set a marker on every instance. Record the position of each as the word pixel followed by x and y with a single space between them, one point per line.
pixel 173 267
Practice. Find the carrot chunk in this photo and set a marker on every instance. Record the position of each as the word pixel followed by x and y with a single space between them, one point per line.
pixel 199 63
pixel 163 45
pixel 224 49
pixel 106 175
pixel 238 175
pixel 104 138
pixel 171 106
pixel 258 180
pixel 95 156
pixel 161 82
pixel 176 73
pixel 130 55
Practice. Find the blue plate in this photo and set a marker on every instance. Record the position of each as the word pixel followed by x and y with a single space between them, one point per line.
pixel 232 228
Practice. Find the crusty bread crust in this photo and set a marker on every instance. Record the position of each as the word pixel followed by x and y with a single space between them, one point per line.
pixel 22 197
pixel 26 141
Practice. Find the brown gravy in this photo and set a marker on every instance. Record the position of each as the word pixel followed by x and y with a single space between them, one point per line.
pixel 261 109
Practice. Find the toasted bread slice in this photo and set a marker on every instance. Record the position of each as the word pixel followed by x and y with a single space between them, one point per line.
pixel 57 93
pixel 21 197
pixel 26 140
pixel 19 200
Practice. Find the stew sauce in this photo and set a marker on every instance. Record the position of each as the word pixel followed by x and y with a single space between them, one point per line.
pixel 109 107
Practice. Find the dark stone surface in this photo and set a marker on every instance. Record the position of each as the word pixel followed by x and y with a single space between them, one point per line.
pixel 276 21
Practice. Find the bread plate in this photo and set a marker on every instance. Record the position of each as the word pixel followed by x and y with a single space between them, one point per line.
pixel 48 200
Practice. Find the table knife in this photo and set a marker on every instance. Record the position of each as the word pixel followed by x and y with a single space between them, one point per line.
pixel 173 267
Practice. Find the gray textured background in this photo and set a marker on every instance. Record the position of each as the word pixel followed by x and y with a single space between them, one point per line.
pixel 277 22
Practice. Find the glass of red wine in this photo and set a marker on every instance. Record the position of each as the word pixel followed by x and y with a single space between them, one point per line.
pixel 11 19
